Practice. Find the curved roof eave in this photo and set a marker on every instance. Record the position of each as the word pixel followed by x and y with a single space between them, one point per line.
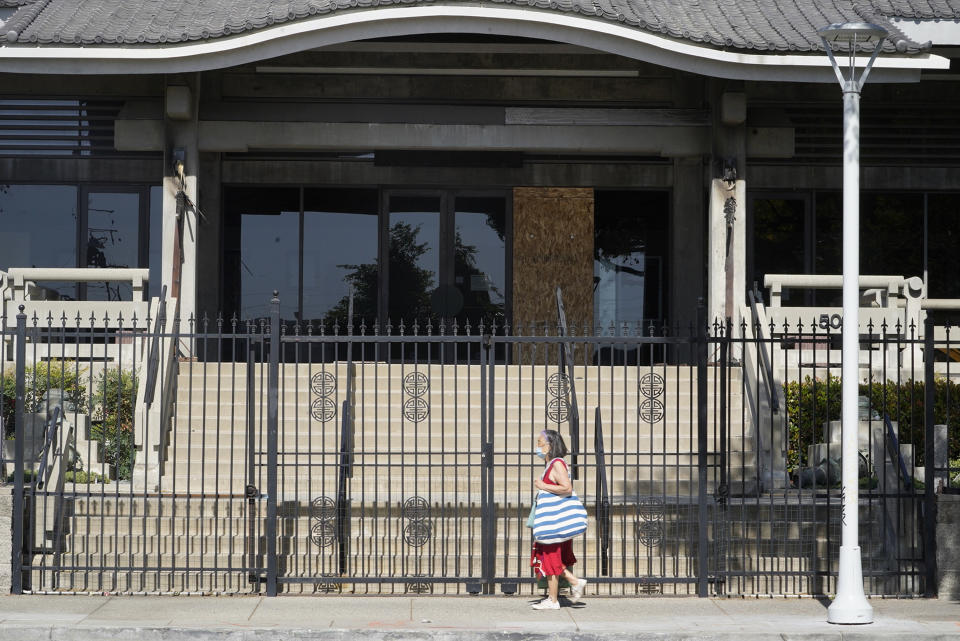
pixel 417 20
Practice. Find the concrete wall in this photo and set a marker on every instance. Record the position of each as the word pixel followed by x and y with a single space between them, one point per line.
pixel 6 539
pixel 948 546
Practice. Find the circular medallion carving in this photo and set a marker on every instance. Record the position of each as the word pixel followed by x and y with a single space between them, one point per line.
pixel 416 384
pixel 323 409
pixel 651 385
pixel 416 410
pixel 650 508
pixel 651 410
pixel 650 533
pixel 558 385
pixel 417 533
pixel 557 410
pixel 323 384
pixel 416 508
pixel 323 533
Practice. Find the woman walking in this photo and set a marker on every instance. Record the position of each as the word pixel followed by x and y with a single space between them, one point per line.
pixel 553 560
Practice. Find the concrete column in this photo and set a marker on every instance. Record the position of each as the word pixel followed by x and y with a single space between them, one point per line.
pixel 727 217
pixel 948 546
pixel 179 262
pixel 727 250
pixel 686 241
pixel 6 540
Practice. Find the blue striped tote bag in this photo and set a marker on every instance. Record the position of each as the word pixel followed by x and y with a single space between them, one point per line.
pixel 558 518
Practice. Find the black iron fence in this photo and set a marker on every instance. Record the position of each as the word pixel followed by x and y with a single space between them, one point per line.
pixel 272 457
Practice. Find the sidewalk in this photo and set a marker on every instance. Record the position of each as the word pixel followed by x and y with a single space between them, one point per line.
pixel 473 618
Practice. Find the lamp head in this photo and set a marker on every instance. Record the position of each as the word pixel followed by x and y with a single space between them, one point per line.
pixel 852 33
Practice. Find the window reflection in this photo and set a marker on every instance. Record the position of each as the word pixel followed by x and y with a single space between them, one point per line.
pixel 38 228
pixel 112 240
pixel 630 235
pixel 414 229
pixel 339 251
pixel 479 257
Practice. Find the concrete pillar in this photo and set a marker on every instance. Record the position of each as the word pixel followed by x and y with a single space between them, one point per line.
pixel 180 228
pixel 727 216
pixel 948 546
pixel 686 242
pixel 6 540
pixel 727 250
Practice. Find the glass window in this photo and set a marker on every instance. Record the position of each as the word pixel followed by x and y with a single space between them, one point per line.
pixel 891 234
pixel 779 233
pixel 479 263
pixel 414 268
pixel 264 239
pixel 112 240
pixel 340 232
pixel 943 250
pixel 155 250
pixel 630 240
pixel 38 228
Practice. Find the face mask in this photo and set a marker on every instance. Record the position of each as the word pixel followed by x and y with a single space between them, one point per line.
pixel 540 453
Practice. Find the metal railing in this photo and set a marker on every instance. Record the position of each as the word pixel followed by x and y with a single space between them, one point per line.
pixel 306 458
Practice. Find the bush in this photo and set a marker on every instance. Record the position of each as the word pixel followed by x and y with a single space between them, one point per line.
pixel 812 402
pixel 38 379
pixel 112 422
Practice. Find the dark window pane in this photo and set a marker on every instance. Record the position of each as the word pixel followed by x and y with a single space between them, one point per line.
pixel 827 257
pixel 262 250
pixel 340 249
pixel 778 242
pixel 891 234
pixel 155 259
pixel 630 239
pixel 38 228
pixel 112 240
pixel 479 258
pixel 414 228
pixel 943 250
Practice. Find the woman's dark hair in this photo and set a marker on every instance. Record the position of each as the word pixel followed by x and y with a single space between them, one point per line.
pixel 556 448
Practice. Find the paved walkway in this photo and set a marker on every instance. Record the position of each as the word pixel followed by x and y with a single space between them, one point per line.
pixel 97 618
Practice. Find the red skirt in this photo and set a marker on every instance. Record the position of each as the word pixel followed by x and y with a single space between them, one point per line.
pixel 550 559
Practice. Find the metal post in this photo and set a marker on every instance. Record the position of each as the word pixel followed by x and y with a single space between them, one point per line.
pixel 702 516
pixel 19 513
pixel 487 530
pixel 929 467
pixel 273 391
pixel 850 605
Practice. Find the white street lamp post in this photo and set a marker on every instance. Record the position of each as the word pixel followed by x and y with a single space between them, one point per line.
pixel 850 605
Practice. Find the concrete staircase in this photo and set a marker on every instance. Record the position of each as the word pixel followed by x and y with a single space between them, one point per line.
pixel 416 485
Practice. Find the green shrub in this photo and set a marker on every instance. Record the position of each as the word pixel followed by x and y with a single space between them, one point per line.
pixel 813 402
pixel 81 476
pixel 38 378
pixel 113 398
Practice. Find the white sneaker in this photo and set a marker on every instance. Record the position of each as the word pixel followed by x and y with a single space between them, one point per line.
pixel 546 604
pixel 576 591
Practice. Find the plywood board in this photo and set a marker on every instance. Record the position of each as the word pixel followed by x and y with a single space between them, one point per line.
pixel 552 246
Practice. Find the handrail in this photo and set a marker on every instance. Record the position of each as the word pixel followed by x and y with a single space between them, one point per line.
pixel 153 356
pixel 566 365
pixel 53 425
pixel 345 464
pixel 603 497
pixel 766 368
pixel 896 456
pixel 344 471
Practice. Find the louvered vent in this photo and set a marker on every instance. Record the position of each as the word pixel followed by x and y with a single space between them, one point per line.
pixel 889 134
pixel 60 128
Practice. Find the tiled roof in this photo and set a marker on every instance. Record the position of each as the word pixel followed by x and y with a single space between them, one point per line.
pixel 758 25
